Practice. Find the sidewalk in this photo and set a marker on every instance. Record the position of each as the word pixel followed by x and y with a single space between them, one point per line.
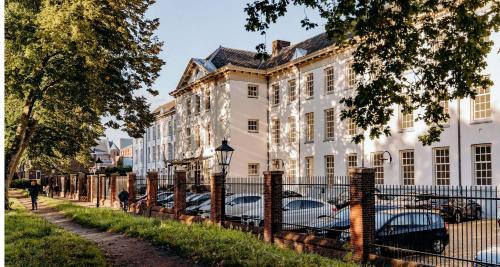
pixel 119 249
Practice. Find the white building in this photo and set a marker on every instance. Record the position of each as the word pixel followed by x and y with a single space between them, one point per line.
pixel 153 151
pixel 284 114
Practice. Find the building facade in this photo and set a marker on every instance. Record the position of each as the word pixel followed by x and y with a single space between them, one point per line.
pixel 284 113
pixel 155 149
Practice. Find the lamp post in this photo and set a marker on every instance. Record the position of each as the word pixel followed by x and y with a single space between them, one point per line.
pixel 96 166
pixel 224 153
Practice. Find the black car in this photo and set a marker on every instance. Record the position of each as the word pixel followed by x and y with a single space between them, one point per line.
pixel 457 209
pixel 198 199
pixel 290 193
pixel 343 200
pixel 408 229
pixel 332 226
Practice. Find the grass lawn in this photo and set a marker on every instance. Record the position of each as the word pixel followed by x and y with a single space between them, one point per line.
pixel 205 243
pixel 33 241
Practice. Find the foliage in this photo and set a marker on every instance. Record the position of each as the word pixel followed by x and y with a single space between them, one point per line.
pixel 32 241
pixel 20 183
pixel 206 243
pixel 411 54
pixel 120 170
pixel 69 64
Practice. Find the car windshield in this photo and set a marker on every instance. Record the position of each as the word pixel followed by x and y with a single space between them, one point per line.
pixel 382 219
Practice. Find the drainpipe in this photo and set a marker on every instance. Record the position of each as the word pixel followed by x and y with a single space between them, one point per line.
pixel 268 124
pixel 459 137
pixel 299 120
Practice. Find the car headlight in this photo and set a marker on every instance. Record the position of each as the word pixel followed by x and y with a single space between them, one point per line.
pixel 344 236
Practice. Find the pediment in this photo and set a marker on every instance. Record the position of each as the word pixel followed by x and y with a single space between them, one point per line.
pixel 195 70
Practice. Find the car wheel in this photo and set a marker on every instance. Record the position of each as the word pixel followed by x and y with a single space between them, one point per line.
pixel 478 215
pixel 378 251
pixel 458 217
pixel 438 246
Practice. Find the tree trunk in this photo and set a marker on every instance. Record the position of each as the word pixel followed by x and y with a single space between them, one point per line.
pixel 23 133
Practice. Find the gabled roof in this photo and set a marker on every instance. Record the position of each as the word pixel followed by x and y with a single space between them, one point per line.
pixel 164 108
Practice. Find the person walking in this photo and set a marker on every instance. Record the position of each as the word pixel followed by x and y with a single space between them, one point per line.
pixel 123 197
pixel 34 190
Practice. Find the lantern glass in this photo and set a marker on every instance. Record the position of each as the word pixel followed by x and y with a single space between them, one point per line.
pixel 224 153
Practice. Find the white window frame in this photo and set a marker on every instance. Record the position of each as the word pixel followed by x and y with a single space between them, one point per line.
pixel 329 168
pixel 486 163
pixel 275 93
pixel 329 80
pixel 350 75
pixel 483 100
pixel 251 91
pixel 329 121
pixel 378 164
pixel 292 129
pixel 350 163
pixel 309 167
pixel 253 169
pixel 441 165
pixel 309 130
pixel 256 130
pixel 309 88
pixel 292 90
pixel 275 131
pixel 407 166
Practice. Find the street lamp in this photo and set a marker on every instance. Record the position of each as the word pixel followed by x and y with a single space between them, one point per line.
pixel 51 183
pixel 224 153
pixel 97 165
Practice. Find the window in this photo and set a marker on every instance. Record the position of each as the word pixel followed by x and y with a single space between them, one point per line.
pixel 309 127
pixel 276 164
pixel 149 155
pixel 351 127
pixel 292 168
pixel 170 151
pixel 197 104
pixel 207 100
pixel 482 164
pixel 309 166
pixel 275 131
pixel 292 129
pixel 188 106
pixel 329 124
pixel 292 92
pixel 482 104
pixel 275 94
pixel 197 138
pixel 158 131
pixel 158 153
pixel 153 155
pixel 188 137
pixel 352 161
pixel 442 166
pixel 253 126
pixel 407 167
pixel 378 164
pixel 253 169
pixel 170 129
pixel 329 168
pixel 253 91
pixel 309 85
pixel 153 132
pixel 405 120
pixel 329 80
pixel 350 75
pixel 209 135
pixel 311 204
pixel 446 110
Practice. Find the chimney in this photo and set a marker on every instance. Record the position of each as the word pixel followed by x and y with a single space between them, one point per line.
pixel 278 45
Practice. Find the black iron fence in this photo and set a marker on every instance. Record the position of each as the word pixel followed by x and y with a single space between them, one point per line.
pixel 244 200
pixel 437 225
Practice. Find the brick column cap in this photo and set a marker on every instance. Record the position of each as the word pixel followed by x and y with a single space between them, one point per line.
pixel 130 173
pixel 115 174
pixel 360 170
pixel 102 175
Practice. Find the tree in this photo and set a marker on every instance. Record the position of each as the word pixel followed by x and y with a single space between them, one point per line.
pixel 69 64
pixel 414 54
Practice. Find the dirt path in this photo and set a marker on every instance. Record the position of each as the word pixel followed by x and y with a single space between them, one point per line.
pixel 119 249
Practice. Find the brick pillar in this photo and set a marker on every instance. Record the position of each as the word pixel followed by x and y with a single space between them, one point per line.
pixel 102 181
pixel 216 198
pixel 362 215
pixel 81 182
pixel 113 189
pixel 273 204
pixel 62 185
pixel 151 189
pixel 179 193
pixel 72 185
pixel 131 187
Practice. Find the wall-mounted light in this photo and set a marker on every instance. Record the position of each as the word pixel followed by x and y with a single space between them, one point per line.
pixel 384 158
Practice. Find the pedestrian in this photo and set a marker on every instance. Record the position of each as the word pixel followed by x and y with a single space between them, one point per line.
pixel 56 189
pixel 123 197
pixel 34 190
pixel 46 190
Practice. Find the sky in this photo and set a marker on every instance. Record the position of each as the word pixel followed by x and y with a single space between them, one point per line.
pixel 193 29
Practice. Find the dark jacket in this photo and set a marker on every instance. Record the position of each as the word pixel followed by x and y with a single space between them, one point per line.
pixel 123 196
pixel 34 190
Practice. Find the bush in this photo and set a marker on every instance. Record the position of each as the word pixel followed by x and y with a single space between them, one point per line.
pixel 20 184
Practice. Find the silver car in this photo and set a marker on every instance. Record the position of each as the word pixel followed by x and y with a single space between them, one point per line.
pixel 488 257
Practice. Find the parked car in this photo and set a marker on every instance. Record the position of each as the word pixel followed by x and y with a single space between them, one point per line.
pixel 290 193
pixel 408 229
pixel 457 209
pixel 488 258
pixel 297 213
pixel 195 209
pixel 332 226
pixel 197 199
pixel 169 203
pixel 159 199
pixel 236 205
pixel 342 200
